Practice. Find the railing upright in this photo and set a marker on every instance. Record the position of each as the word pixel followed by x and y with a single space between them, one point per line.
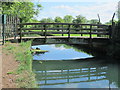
pixel 45 31
pixel 90 33
pixel 68 32
pixel 20 33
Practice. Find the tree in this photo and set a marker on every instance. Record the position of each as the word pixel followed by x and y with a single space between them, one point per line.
pixel 24 10
pixel 110 22
pixel 68 19
pixel 94 21
pixel 58 20
pixel 80 19
pixel 47 20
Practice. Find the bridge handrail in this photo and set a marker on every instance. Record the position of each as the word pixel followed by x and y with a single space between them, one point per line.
pixel 61 24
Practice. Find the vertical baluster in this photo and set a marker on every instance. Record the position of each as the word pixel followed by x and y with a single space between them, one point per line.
pixel 81 30
pixel 3 32
pixel 90 33
pixel 45 32
pixel 62 30
pixel 20 33
pixel 15 27
pixel 68 32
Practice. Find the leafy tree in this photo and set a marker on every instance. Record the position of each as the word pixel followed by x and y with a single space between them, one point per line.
pixel 80 19
pixel 24 10
pixel 58 20
pixel 93 21
pixel 68 19
pixel 47 20
pixel 33 21
pixel 110 22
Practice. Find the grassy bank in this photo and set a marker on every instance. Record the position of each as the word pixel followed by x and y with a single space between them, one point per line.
pixel 22 54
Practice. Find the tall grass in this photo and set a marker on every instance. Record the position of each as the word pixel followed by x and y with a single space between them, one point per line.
pixel 22 54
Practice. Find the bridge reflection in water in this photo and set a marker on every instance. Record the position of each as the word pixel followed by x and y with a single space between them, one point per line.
pixel 94 73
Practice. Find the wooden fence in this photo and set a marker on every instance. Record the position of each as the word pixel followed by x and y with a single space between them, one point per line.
pixel 47 29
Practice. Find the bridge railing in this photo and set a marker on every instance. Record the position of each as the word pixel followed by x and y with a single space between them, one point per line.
pixel 67 29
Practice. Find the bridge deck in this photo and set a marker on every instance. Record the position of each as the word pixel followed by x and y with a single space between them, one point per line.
pixel 57 37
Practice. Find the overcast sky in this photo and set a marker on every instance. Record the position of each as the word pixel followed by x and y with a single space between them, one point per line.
pixel 87 8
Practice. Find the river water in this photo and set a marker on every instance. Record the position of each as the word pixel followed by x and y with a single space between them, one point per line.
pixel 65 66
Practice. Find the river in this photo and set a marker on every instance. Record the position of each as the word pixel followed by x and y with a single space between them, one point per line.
pixel 65 66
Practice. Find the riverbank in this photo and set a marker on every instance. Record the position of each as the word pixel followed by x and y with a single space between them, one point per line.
pixel 17 66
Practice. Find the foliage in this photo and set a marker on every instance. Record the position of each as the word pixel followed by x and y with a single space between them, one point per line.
pixel 110 22
pixel 59 20
pixel 80 19
pixel 93 21
pixel 24 10
pixel 47 20
pixel 68 19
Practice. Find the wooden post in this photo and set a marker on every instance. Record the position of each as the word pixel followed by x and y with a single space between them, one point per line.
pixel 3 34
pixel 45 32
pixel 68 32
pixel 98 18
pixel 17 22
pixel 3 28
pixel 15 27
pixel 110 32
pixel 81 29
pixel 113 31
pixel 62 30
pixel 20 30
pixel 20 33
pixel 90 33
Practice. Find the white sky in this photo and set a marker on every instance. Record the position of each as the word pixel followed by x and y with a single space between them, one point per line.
pixel 54 8
pixel 76 0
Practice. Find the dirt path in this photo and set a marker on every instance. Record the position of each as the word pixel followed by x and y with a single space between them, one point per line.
pixel 8 65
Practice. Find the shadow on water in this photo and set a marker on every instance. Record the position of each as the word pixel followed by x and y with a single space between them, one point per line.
pixel 91 72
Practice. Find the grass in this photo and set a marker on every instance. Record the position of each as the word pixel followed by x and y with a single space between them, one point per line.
pixel 10 72
pixel 87 35
pixel 22 54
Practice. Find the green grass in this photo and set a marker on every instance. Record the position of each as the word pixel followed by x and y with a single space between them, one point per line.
pixel 22 54
pixel 10 72
pixel 87 35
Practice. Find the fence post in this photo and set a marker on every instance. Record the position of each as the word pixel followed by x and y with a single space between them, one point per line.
pixel 62 30
pixel 20 30
pixel 20 33
pixel 113 31
pixel 3 28
pixel 15 27
pixel 110 31
pixel 81 30
pixel 90 33
pixel 45 32
pixel 68 32
pixel 3 34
